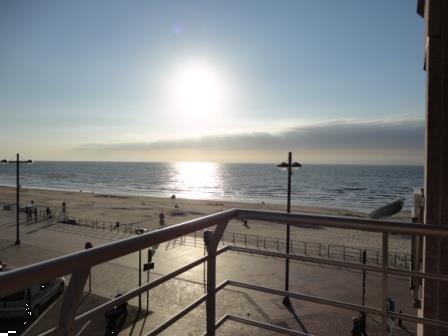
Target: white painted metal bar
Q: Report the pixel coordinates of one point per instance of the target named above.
(77, 264)
(218, 323)
(183, 312)
(339, 304)
(135, 292)
(24, 277)
(342, 222)
(304, 297)
(71, 301)
(177, 316)
(266, 326)
(399, 272)
(211, 240)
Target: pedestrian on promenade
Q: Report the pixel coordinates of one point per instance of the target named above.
(116, 318)
(400, 322)
(362, 323)
(35, 213)
(162, 219)
(356, 329)
(27, 212)
(117, 225)
(64, 207)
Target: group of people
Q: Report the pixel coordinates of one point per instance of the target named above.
(31, 210)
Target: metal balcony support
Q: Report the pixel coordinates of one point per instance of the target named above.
(211, 240)
(71, 301)
(78, 265)
(266, 326)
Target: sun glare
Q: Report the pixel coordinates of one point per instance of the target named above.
(198, 180)
(198, 90)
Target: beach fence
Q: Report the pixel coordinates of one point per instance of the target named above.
(60, 217)
(299, 247)
(102, 225)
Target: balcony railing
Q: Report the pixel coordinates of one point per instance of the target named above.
(78, 265)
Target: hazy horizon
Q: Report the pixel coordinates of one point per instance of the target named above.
(270, 163)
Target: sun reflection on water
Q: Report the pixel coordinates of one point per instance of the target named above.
(198, 180)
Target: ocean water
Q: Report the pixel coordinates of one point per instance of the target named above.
(356, 187)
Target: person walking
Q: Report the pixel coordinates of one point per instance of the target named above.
(362, 323)
(162, 220)
(356, 329)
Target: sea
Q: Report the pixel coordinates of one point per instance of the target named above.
(355, 187)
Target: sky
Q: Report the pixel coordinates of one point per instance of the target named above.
(226, 81)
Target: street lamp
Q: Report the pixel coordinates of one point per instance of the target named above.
(17, 162)
(289, 166)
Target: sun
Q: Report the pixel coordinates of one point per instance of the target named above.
(198, 90)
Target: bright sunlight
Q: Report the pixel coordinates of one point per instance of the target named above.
(199, 90)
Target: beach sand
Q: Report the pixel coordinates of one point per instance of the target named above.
(143, 211)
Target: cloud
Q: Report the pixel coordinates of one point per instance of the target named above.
(403, 134)
(399, 141)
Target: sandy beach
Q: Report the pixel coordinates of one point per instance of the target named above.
(143, 212)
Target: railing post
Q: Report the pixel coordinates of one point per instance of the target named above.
(385, 246)
(211, 241)
(71, 301)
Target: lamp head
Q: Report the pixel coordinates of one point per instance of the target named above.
(282, 166)
(296, 165)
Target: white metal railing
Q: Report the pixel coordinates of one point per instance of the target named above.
(79, 264)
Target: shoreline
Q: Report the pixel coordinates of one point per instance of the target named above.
(307, 208)
(281, 205)
(50, 197)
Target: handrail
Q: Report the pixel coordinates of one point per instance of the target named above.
(15, 280)
(343, 222)
(79, 263)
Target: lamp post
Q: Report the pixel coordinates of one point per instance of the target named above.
(17, 162)
(289, 166)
